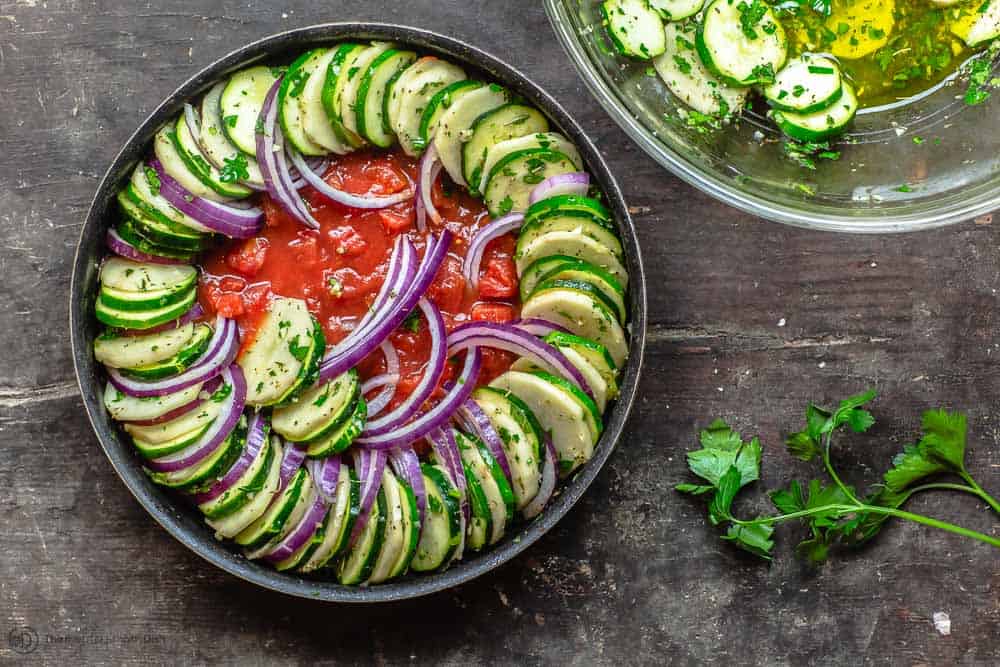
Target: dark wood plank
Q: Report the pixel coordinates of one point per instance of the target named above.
(748, 320)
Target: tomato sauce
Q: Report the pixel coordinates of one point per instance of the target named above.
(338, 269)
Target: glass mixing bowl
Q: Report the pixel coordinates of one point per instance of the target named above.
(918, 164)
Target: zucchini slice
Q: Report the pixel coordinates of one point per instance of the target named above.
(454, 128)
(807, 84)
(681, 69)
(129, 408)
(195, 420)
(250, 482)
(218, 148)
(635, 29)
(676, 10)
(190, 154)
(441, 531)
(570, 244)
(551, 141)
(352, 85)
(178, 363)
(508, 121)
(493, 482)
(582, 313)
(233, 524)
(151, 224)
(595, 354)
(522, 440)
(130, 276)
(438, 104)
(130, 351)
(598, 386)
(410, 95)
(272, 522)
(289, 107)
(341, 437)
(479, 528)
(241, 102)
(369, 106)
(561, 267)
(560, 411)
(204, 473)
(144, 319)
(320, 411)
(339, 521)
(145, 184)
(395, 531)
(359, 562)
(820, 125)
(738, 54)
(337, 77)
(283, 358)
(514, 177)
(316, 124)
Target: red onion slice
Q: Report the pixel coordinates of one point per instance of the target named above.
(389, 380)
(271, 158)
(196, 312)
(576, 183)
(370, 466)
(402, 267)
(207, 389)
(339, 196)
(120, 246)
(291, 461)
(477, 422)
(221, 353)
(477, 246)
(302, 532)
(428, 382)
(256, 437)
(446, 449)
(232, 221)
(548, 484)
(513, 339)
(435, 417)
(326, 475)
(407, 466)
(430, 167)
(344, 357)
(216, 433)
(538, 327)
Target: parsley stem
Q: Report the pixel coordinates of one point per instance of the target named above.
(945, 486)
(874, 509)
(935, 523)
(833, 473)
(990, 500)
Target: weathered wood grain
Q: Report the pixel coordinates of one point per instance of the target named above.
(748, 320)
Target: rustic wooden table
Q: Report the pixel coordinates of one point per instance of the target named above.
(747, 321)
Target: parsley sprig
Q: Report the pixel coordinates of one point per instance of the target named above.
(834, 513)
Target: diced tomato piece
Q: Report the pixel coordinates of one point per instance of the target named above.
(249, 256)
(347, 241)
(305, 248)
(499, 281)
(274, 215)
(229, 305)
(493, 312)
(256, 297)
(397, 219)
(232, 284)
(388, 177)
(448, 287)
(495, 363)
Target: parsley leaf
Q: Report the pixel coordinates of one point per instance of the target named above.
(234, 169)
